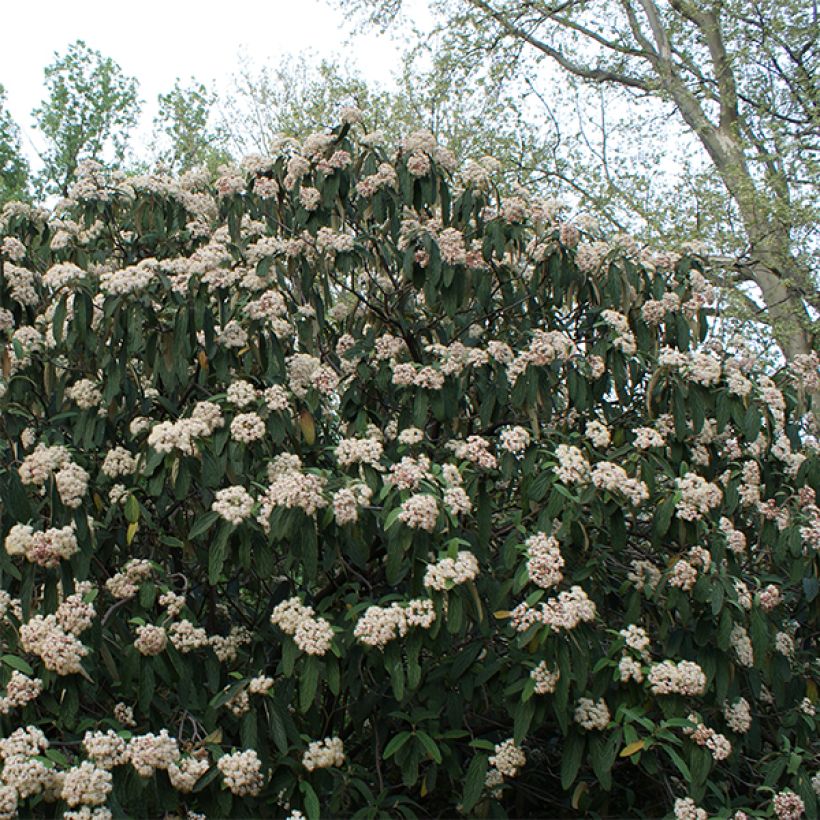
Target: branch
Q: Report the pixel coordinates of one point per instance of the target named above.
(598, 75)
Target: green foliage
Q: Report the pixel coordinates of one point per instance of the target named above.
(184, 121)
(395, 365)
(90, 109)
(13, 166)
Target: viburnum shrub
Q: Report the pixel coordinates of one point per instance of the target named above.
(339, 485)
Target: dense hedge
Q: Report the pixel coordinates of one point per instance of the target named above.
(337, 485)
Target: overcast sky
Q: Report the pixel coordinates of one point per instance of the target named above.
(157, 41)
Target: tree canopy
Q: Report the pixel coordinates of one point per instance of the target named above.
(343, 484)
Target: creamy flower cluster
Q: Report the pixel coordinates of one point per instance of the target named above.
(544, 560)
(44, 548)
(614, 478)
(311, 635)
(566, 611)
(291, 488)
(508, 759)
(348, 502)
(592, 714)
(242, 772)
(20, 690)
(449, 572)
(125, 584)
(323, 754)
(698, 496)
(234, 504)
(682, 678)
(380, 625)
(546, 678)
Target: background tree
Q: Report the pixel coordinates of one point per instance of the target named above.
(13, 165)
(739, 81)
(89, 112)
(185, 135)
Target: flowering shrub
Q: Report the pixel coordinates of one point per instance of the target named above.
(337, 486)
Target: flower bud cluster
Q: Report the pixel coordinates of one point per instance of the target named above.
(380, 625)
(682, 678)
(508, 759)
(242, 772)
(312, 635)
(449, 572)
(322, 754)
(546, 679)
(44, 548)
(592, 715)
(234, 504)
(544, 562)
(125, 584)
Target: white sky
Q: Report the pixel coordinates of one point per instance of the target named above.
(159, 41)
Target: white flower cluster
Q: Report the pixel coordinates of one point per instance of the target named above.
(565, 611)
(738, 716)
(380, 625)
(719, 745)
(106, 749)
(419, 512)
(234, 504)
(508, 759)
(683, 678)
(544, 562)
(186, 637)
(151, 640)
(125, 584)
(572, 467)
(72, 484)
(247, 428)
(60, 651)
(769, 597)
(150, 752)
(449, 572)
(185, 773)
(624, 338)
(289, 488)
(408, 473)
(614, 478)
(242, 772)
(648, 437)
(119, 462)
(788, 806)
(311, 635)
(348, 501)
(44, 548)
(38, 465)
(476, 450)
(20, 690)
(85, 394)
(742, 644)
(322, 754)
(546, 679)
(698, 496)
(514, 440)
(132, 279)
(637, 639)
(591, 714)
(544, 348)
(359, 451)
(735, 539)
(654, 311)
(167, 436)
(598, 433)
(686, 809)
(86, 785)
